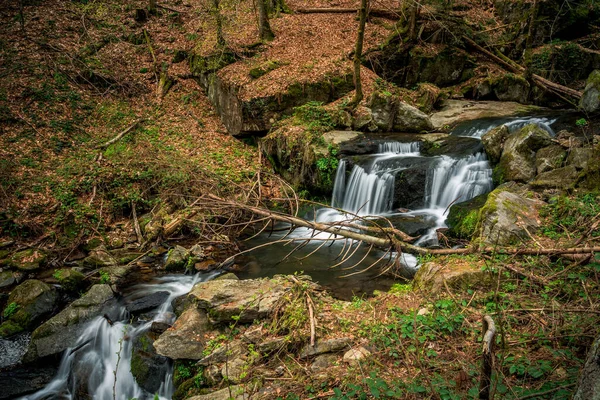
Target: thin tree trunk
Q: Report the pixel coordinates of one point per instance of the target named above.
(219, 21)
(412, 20)
(358, 96)
(264, 28)
(152, 7)
(487, 361)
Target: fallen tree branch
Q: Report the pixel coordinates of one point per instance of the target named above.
(487, 362)
(120, 135)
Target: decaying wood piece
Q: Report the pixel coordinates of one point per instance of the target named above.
(120, 135)
(487, 363)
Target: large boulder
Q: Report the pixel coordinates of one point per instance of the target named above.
(493, 142)
(147, 367)
(559, 178)
(508, 216)
(100, 257)
(383, 109)
(517, 162)
(410, 119)
(590, 101)
(63, 330)
(27, 304)
(244, 301)
(434, 278)
(176, 258)
(549, 158)
(463, 217)
(588, 387)
(580, 157)
(186, 339)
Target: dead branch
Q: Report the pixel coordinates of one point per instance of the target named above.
(136, 224)
(487, 363)
(120, 135)
(373, 12)
(311, 316)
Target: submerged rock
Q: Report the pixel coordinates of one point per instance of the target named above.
(63, 330)
(27, 304)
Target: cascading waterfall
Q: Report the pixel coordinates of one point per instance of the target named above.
(399, 148)
(479, 128)
(103, 352)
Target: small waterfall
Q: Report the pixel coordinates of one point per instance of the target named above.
(339, 186)
(368, 193)
(480, 128)
(399, 148)
(459, 180)
(102, 355)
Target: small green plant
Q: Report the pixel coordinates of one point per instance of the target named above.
(104, 277)
(581, 122)
(10, 310)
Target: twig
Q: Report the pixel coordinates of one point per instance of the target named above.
(120, 135)
(311, 316)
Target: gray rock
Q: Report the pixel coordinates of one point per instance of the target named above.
(549, 158)
(560, 178)
(236, 370)
(383, 109)
(363, 119)
(176, 258)
(232, 350)
(410, 119)
(580, 157)
(227, 276)
(147, 367)
(100, 257)
(244, 300)
(517, 162)
(325, 346)
(493, 142)
(272, 345)
(434, 278)
(590, 101)
(147, 303)
(229, 393)
(62, 330)
(20, 381)
(507, 216)
(30, 302)
(7, 278)
(186, 338)
(356, 354)
(323, 361)
(588, 387)
(212, 374)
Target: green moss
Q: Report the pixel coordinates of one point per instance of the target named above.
(464, 217)
(264, 69)
(139, 368)
(208, 64)
(9, 328)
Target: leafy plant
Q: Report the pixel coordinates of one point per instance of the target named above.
(10, 310)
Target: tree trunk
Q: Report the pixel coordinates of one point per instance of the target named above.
(152, 7)
(264, 27)
(413, 14)
(358, 96)
(219, 21)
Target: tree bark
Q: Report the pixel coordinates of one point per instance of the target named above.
(219, 22)
(358, 96)
(264, 28)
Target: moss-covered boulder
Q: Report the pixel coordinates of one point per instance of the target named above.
(493, 142)
(590, 101)
(560, 178)
(511, 87)
(64, 329)
(383, 109)
(463, 217)
(148, 367)
(549, 158)
(580, 157)
(69, 279)
(7, 278)
(589, 178)
(100, 257)
(28, 260)
(177, 258)
(517, 162)
(508, 216)
(433, 277)
(27, 304)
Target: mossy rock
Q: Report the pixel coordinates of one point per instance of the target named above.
(549, 158)
(589, 178)
(590, 101)
(560, 178)
(511, 87)
(69, 279)
(458, 275)
(177, 259)
(264, 69)
(28, 260)
(463, 217)
(208, 64)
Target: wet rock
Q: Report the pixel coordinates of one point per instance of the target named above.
(507, 216)
(588, 387)
(176, 259)
(560, 178)
(147, 303)
(450, 145)
(186, 338)
(517, 162)
(100, 257)
(409, 185)
(20, 381)
(147, 367)
(433, 277)
(28, 260)
(410, 119)
(549, 158)
(580, 157)
(493, 142)
(7, 278)
(590, 101)
(323, 361)
(413, 225)
(27, 304)
(62, 330)
(229, 393)
(463, 217)
(245, 300)
(356, 354)
(457, 111)
(325, 346)
(69, 279)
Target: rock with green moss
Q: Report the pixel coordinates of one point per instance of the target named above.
(65, 328)
(27, 304)
(383, 109)
(589, 178)
(186, 339)
(177, 258)
(517, 162)
(69, 279)
(549, 158)
(560, 178)
(590, 101)
(100, 257)
(28, 260)
(148, 367)
(7, 278)
(580, 157)
(508, 216)
(511, 87)
(493, 142)
(433, 277)
(363, 119)
(428, 96)
(463, 217)
(410, 119)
